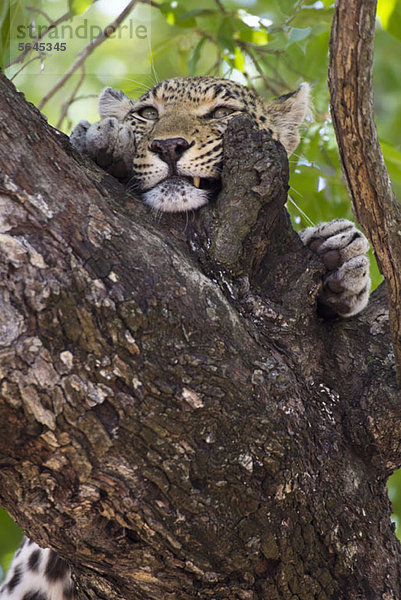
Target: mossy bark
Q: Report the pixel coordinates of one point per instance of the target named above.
(175, 419)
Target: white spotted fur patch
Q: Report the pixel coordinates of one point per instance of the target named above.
(37, 574)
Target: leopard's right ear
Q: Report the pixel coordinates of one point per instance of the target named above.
(286, 114)
(114, 103)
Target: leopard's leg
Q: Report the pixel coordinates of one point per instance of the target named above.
(109, 143)
(342, 249)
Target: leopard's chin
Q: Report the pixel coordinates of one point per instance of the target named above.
(180, 193)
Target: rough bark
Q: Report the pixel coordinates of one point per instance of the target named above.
(374, 204)
(175, 420)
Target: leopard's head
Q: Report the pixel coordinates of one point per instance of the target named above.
(179, 126)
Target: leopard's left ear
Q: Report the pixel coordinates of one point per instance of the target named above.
(114, 103)
(287, 113)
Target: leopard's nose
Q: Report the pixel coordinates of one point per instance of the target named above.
(170, 150)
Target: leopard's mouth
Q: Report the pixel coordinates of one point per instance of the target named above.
(211, 184)
(178, 193)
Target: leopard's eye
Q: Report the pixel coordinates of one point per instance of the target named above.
(148, 112)
(220, 112)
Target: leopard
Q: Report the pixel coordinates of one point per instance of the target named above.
(177, 129)
(168, 147)
(37, 573)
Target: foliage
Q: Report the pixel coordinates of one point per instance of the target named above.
(271, 45)
(10, 537)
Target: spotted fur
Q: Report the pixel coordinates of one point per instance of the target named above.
(37, 574)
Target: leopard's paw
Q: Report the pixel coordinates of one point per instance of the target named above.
(342, 249)
(109, 143)
(78, 136)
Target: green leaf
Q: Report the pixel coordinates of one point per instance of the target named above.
(393, 24)
(9, 540)
(285, 7)
(12, 16)
(225, 36)
(175, 14)
(165, 7)
(77, 7)
(193, 61)
(198, 12)
(239, 60)
(259, 37)
(4, 35)
(385, 9)
(312, 16)
(392, 158)
(394, 488)
(297, 35)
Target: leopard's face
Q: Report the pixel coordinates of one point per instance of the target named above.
(179, 126)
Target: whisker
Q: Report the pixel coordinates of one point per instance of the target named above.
(133, 186)
(301, 211)
(186, 221)
(152, 63)
(158, 215)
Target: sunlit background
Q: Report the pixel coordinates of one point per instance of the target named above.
(271, 45)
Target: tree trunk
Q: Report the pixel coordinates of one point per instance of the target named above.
(176, 421)
(373, 202)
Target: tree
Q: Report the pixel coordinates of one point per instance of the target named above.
(176, 421)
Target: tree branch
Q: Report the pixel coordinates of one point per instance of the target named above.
(169, 432)
(43, 34)
(87, 50)
(375, 207)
